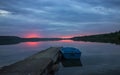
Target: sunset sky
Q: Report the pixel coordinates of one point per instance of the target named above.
(58, 18)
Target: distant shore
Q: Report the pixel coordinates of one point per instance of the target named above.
(7, 40)
(105, 38)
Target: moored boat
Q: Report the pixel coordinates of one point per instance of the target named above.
(70, 53)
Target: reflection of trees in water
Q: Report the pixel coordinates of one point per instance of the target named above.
(71, 63)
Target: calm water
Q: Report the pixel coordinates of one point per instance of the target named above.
(96, 57)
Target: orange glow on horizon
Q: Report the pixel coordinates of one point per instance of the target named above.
(32, 35)
(66, 36)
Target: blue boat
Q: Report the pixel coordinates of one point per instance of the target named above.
(70, 53)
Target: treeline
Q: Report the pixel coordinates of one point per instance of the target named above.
(113, 37)
(9, 40)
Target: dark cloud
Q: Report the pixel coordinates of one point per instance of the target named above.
(55, 17)
(106, 3)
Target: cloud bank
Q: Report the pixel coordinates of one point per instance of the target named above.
(59, 17)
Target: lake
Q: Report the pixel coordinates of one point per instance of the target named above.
(96, 58)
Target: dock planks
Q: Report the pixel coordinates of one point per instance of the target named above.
(36, 64)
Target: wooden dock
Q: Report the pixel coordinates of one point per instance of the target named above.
(38, 64)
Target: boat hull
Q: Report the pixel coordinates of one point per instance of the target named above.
(70, 53)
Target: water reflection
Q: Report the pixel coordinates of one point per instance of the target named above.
(35, 43)
(32, 43)
(95, 56)
(9, 42)
(66, 63)
(66, 41)
(71, 63)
